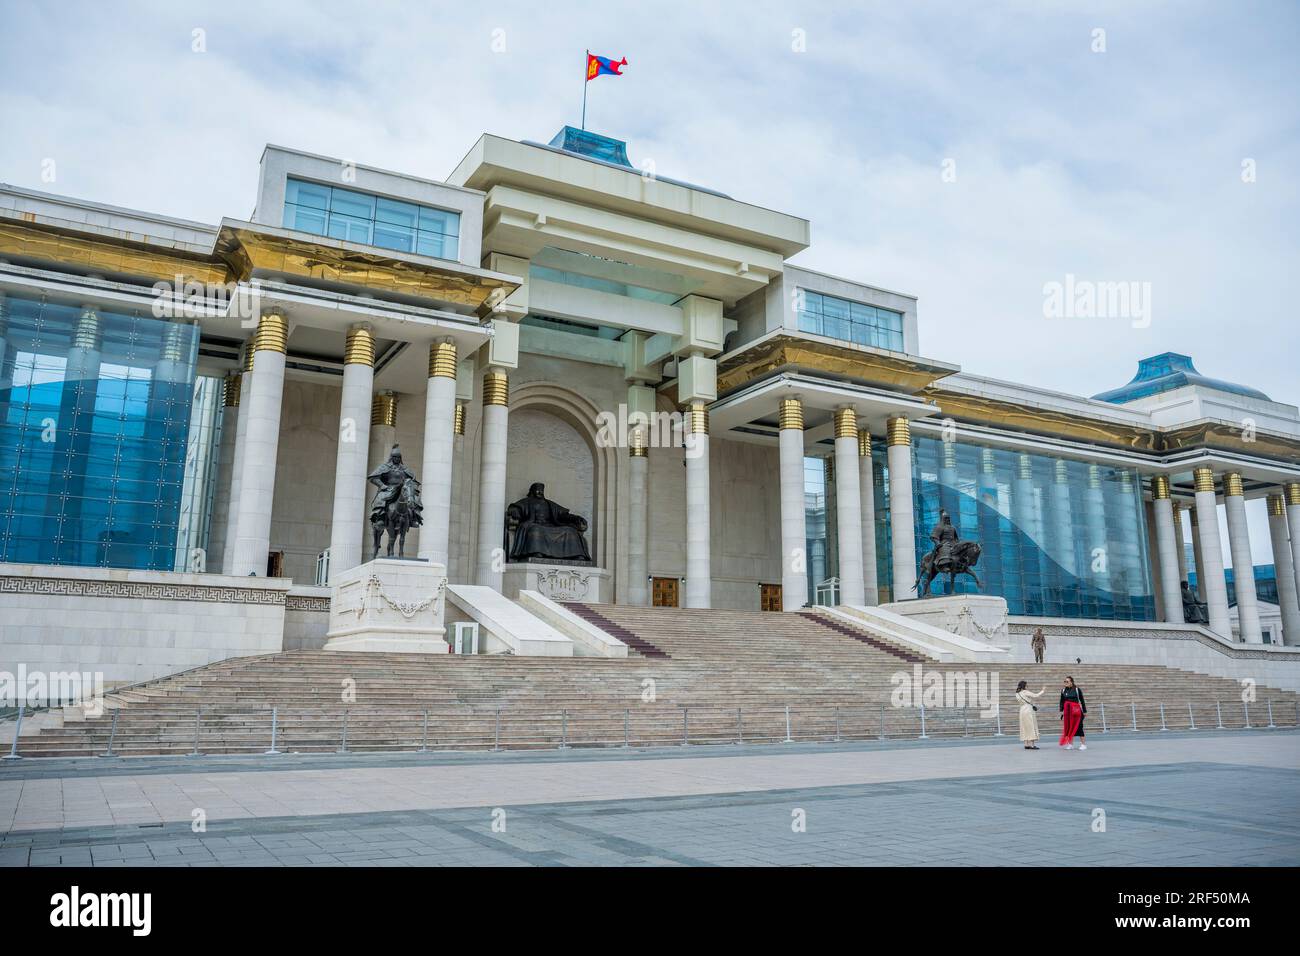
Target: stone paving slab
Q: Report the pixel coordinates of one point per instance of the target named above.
(1191, 814)
(87, 798)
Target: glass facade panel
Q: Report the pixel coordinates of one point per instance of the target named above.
(849, 321)
(1059, 538)
(372, 220)
(95, 411)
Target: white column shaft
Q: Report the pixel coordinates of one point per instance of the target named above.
(350, 468)
(699, 579)
(1243, 569)
(1293, 528)
(867, 490)
(1288, 597)
(1167, 555)
(492, 496)
(1209, 565)
(257, 478)
(439, 439)
(236, 473)
(848, 513)
(794, 526)
(638, 485)
(901, 520)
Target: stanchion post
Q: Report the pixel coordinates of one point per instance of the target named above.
(13, 753)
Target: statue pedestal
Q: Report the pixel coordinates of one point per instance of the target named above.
(559, 582)
(977, 617)
(388, 605)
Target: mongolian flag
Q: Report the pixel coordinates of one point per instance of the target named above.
(600, 66)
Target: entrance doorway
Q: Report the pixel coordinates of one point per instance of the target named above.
(769, 597)
(663, 592)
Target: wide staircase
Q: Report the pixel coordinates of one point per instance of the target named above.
(692, 676)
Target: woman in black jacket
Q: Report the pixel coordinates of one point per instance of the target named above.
(1072, 707)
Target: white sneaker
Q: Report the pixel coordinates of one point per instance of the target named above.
(1083, 746)
(1069, 746)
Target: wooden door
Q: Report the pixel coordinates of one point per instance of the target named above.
(275, 564)
(769, 597)
(663, 592)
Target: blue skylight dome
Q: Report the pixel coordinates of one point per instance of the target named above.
(586, 143)
(1167, 371)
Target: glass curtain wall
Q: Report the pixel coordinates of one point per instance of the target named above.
(95, 410)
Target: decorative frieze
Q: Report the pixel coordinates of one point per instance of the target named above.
(139, 590)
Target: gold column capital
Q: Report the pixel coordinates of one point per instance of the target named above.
(1159, 487)
(1292, 490)
(1094, 476)
(1203, 479)
(360, 348)
(1276, 506)
(458, 422)
(272, 333)
(383, 409)
(230, 387)
(846, 423)
(442, 360)
(791, 414)
(1232, 485)
(87, 334)
(247, 360)
(697, 418)
(496, 387)
(864, 443)
(898, 431)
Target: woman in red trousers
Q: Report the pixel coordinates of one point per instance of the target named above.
(1073, 707)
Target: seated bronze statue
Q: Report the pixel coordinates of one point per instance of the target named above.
(1195, 610)
(545, 531)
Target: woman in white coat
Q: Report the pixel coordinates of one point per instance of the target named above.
(1028, 722)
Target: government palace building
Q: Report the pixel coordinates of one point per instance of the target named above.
(190, 414)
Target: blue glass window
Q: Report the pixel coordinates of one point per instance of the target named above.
(848, 321)
(371, 220)
(94, 417)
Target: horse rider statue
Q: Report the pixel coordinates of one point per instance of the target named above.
(396, 506)
(951, 556)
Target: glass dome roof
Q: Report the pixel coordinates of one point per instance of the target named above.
(1167, 371)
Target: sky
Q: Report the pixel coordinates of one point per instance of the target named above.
(970, 154)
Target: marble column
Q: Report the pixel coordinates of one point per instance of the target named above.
(1292, 494)
(1167, 550)
(237, 461)
(867, 488)
(1197, 559)
(1288, 598)
(261, 447)
(699, 574)
(638, 545)
(221, 500)
(439, 438)
(898, 435)
(1177, 510)
(794, 529)
(1209, 563)
(350, 464)
(848, 506)
(492, 478)
(1243, 562)
(455, 549)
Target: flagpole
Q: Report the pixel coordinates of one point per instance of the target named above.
(586, 60)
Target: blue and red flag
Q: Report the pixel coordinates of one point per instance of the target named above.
(602, 65)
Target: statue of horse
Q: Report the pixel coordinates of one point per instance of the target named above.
(399, 519)
(964, 556)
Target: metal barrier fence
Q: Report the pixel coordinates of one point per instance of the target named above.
(276, 730)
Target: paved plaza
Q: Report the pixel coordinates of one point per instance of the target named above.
(1165, 799)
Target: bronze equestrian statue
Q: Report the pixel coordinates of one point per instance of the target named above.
(396, 507)
(951, 556)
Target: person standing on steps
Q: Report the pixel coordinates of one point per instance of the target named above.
(1072, 708)
(1039, 645)
(1028, 722)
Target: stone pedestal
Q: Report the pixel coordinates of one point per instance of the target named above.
(388, 605)
(559, 582)
(978, 617)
